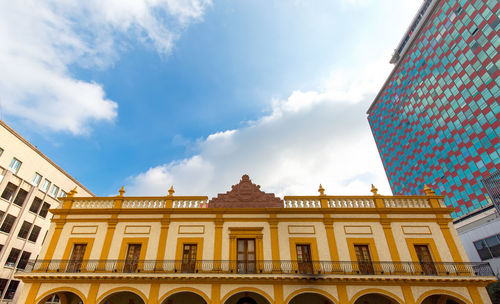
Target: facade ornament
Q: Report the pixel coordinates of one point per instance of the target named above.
(428, 190)
(374, 190)
(72, 192)
(245, 194)
(171, 191)
(121, 191)
(321, 190)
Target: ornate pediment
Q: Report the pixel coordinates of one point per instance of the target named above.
(245, 194)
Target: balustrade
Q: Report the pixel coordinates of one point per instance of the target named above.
(190, 204)
(143, 203)
(93, 204)
(406, 203)
(229, 267)
(288, 202)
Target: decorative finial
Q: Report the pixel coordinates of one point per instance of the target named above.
(121, 191)
(321, 190)
(428, 190)
(374, 190)
(72, 192)
(171, 191)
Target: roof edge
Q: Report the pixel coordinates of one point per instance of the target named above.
(6, 126)
(410, 44)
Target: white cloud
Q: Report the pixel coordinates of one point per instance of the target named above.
(310, 138)
(41, 40)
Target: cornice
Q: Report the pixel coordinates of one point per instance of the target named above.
(263, 279)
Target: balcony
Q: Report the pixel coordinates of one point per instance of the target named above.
(261, 268)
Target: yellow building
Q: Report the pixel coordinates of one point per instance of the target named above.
(250, 247)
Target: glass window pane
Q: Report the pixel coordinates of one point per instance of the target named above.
(482, 250)
(494, 245)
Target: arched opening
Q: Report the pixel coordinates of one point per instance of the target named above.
(63, 297)
(441, 299)
(184, 297)
(123, 297)
(375, 298)
(247, 298)
(310, 298)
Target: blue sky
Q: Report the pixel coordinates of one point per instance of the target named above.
(196, 93)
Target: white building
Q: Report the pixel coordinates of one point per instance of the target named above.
(29, 185)
(480, 235)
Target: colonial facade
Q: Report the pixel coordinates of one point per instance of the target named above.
(250, 247)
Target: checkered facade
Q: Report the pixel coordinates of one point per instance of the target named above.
(436, 121)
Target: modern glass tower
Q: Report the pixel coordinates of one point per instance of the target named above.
(436, 118)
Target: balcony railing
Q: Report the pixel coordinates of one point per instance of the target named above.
(228, 267)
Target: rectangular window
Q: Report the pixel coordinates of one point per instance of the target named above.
(9, 191)
(20, 197)
(425, 259)
(54, 191)
(304, 259)
(12, 259)
(132, 258)
(246, 255)
(3, 285)
(25, 229)
(23, 261)
(364, 259)
(7, 224)
(14, 166)
(35, 206)
(34, 233)
(11, 291)
(189, 258)
(1, 151)
(45, 185)
(63, 193)
(36, 179)
(494, 245)
(44, 210)
(75, 262)
(488, 248)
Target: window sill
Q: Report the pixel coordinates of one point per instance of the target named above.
(3, 199)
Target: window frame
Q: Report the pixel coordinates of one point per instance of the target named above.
(23, 260)
(11, 193)
(54, 190)
(36, 232)
(44, 210)
(12, 167)
(486, 246)
(24, 230)
(8, 216)
(11, 260)
(37, 178)
(9, 294)
(37, 199)
(18, 197)
(45, 185)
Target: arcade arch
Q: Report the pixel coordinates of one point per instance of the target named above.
(62, 297)
(184, 297)
(247, 297)
(120, 297)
